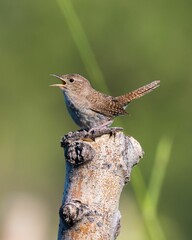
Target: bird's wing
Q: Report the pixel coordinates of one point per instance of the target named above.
(106, 105)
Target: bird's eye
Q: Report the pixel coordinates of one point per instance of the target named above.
(71, 80)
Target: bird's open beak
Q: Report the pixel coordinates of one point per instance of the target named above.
(60, 85)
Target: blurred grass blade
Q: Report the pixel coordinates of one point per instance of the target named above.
(82, 43)
(150, 218)
(159, 170)
(149, 206)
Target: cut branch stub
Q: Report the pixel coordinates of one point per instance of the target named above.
(73, 211)
(132, 155)
(98, 165)
(79, 152)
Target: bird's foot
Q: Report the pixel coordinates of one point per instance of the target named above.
(101, 127)
(99, 131)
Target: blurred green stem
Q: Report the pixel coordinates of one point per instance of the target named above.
(158, 174)
(150, 218)
(151, 195)
(159, 170)
(80, 39)
(82, 43)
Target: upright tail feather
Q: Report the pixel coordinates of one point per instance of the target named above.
(128, 97)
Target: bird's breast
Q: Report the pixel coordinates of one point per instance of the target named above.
(82, 115)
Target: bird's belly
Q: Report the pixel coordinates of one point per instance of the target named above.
(86, 118)
(83, 116)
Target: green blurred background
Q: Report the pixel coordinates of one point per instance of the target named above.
(119, 46)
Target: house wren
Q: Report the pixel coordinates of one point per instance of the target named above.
(90, 108)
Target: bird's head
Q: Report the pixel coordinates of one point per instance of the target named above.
(71, 83)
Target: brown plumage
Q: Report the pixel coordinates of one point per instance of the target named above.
(90, 108)
(128, 97)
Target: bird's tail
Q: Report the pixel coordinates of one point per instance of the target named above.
(128, 97)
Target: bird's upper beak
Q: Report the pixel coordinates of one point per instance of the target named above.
(60, 85)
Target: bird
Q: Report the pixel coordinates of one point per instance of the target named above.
(92, 109)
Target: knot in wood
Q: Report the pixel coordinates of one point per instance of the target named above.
(79, 152)
(73, 211)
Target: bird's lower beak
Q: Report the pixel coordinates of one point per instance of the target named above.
(57, 85)
(60, 85)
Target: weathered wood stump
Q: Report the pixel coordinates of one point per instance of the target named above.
(98, 165)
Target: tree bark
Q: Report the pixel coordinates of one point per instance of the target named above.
(98, 165)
